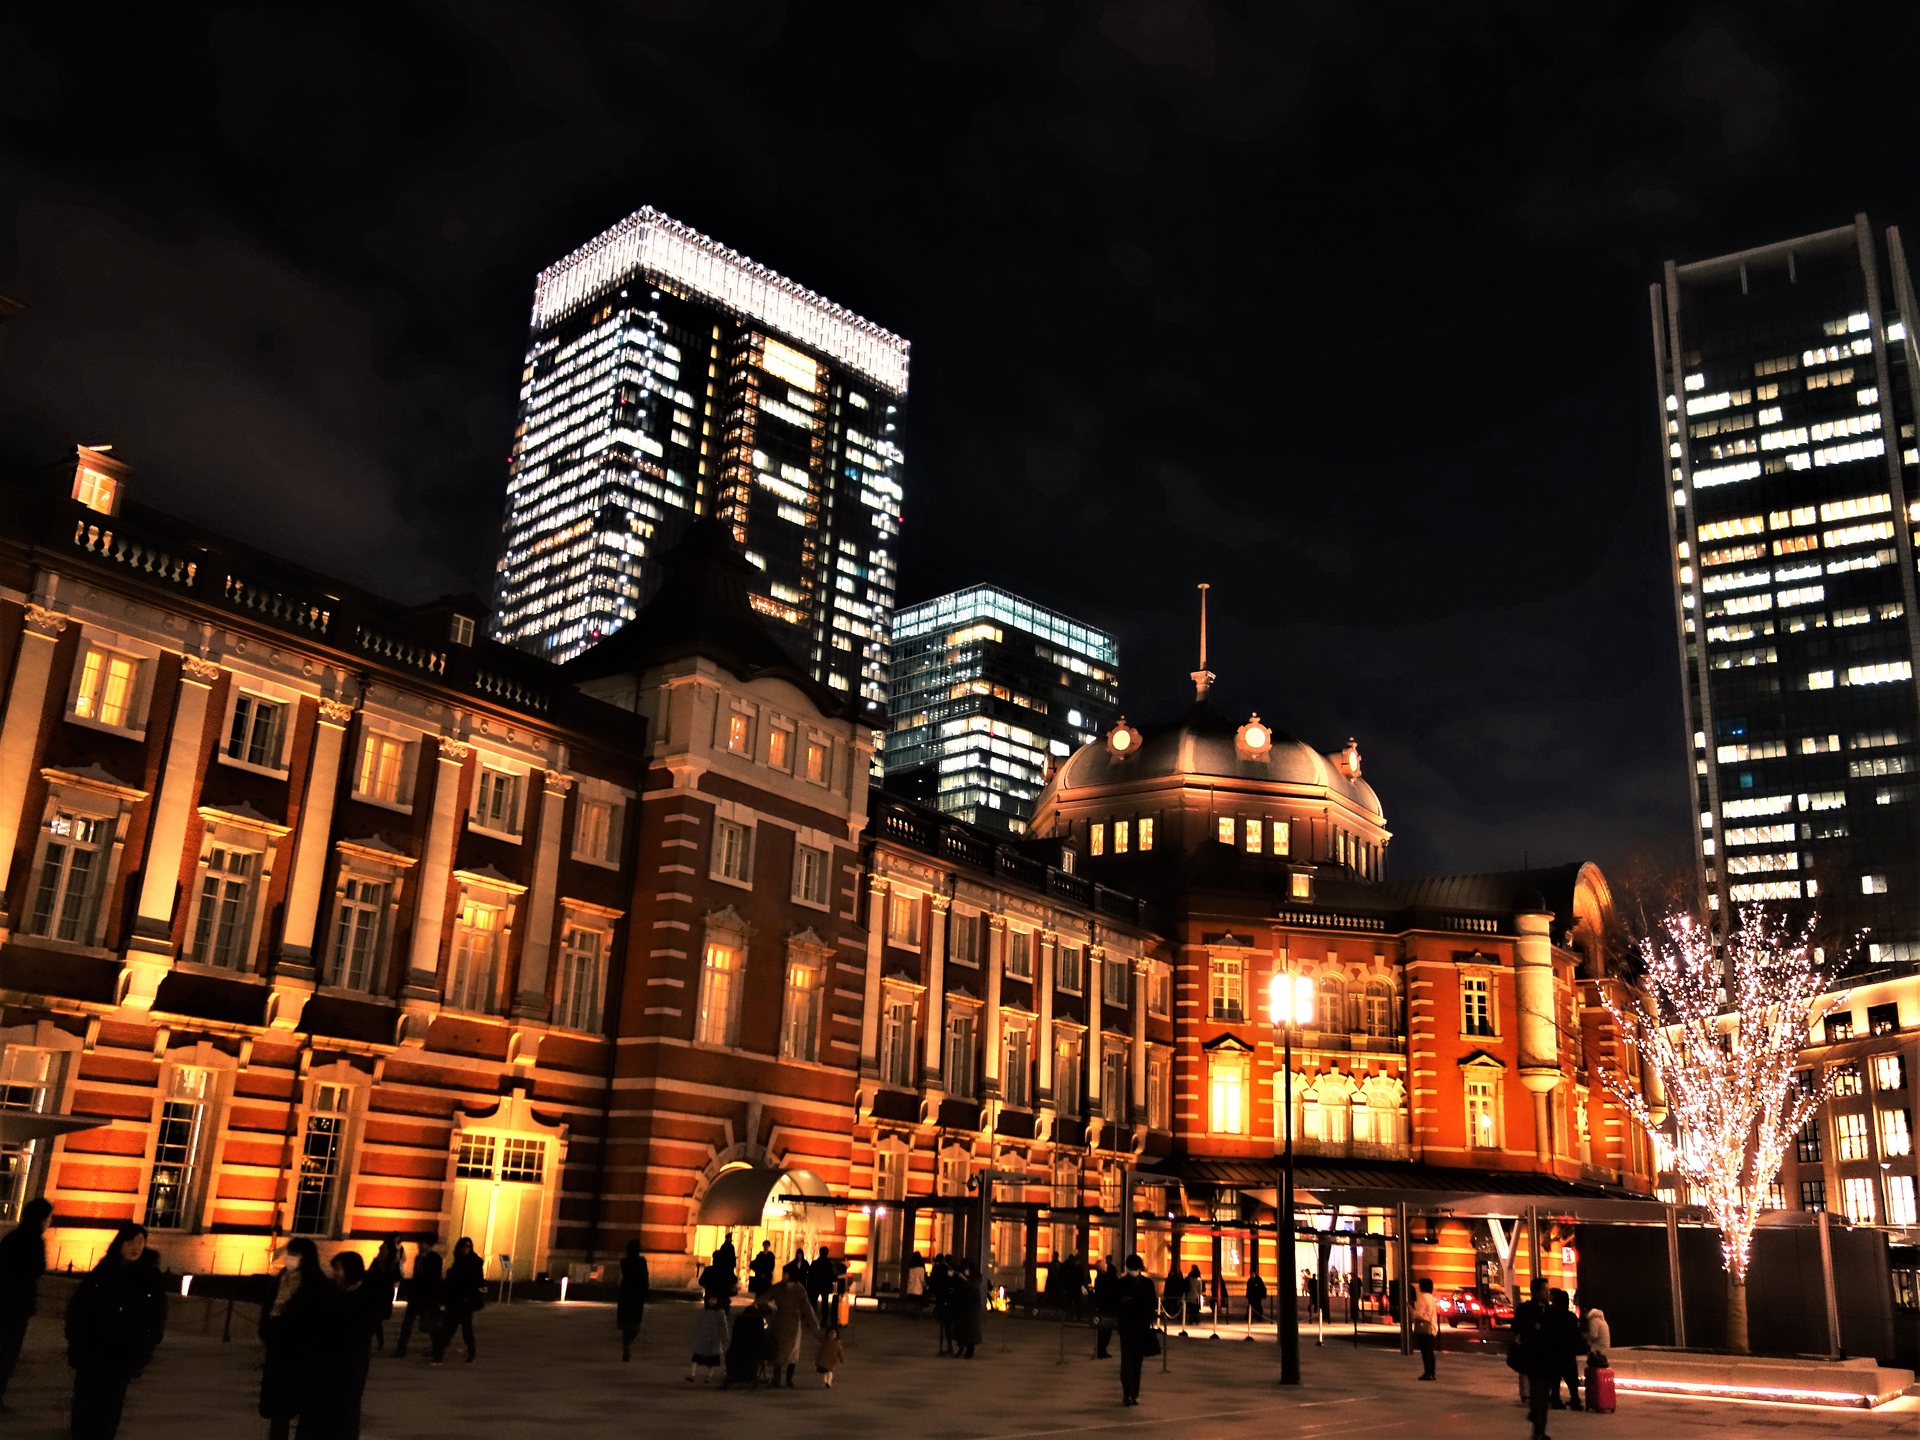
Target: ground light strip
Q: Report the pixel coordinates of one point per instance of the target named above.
(1845, 1398)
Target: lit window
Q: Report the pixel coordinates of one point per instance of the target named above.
(1226, 830)
(95, 490)
(1253, 837)
(1483, 1120)
(817, 756)
(106, 687)
(1900, 1203)
(320, 1160)
(67, 888)
(1850, 1136)
(1844, 1079)
(254, 735)
(1896, 1133)
(903, 920)
(383, 773)
(1122, 834)
(1067, 969)
(1889, 1072)
(740, 734)
(1856, 1199)
(1227, 1082)
(732, 852)
(896, 1040)
(225, 921)
(1160, 991)
(1873, 884)
(780, 748)
(800, 1023)
(1097, 839)
(1020, 954)
(1228, 988)
(596, 831)
(1068, 1071)
(810, 874)
(719, 996)
(1302, 886)
(473, 979)
(1476, 1006)
(577, 995)
(358, 916)
(1146, 832)
(1282, 837)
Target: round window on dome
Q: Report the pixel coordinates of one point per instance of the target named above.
(1123, 739)
(1254, 740)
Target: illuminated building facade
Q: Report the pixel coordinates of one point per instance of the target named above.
(669, 377)
(988, 690)
(1786, 385)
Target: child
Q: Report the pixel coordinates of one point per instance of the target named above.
(832, 1354)
(708, 1338)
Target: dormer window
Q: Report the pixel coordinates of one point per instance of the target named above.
(460, 632)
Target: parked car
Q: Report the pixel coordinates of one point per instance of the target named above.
(1465, 1307)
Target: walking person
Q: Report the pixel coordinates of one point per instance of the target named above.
(823, 1277)
(631, 1309)
(1174, 1295)
(968, 1311)
(463, 1291)
(1599, 1337)
(726, 1267)
(707, 1339)
(792, 1316)
(1425, 1322)
(1256, 1299)
(940, 1287)
(1543, 1339)
(293, 1333)
(760, 1272)
(745, 1344)
(914, 1284)
(423, 1297)
(347, 1347)
(1106, 1290)
(23, 1260)
(1134, 1308)
(830, 1356)
(1570, 1365)
(111, 1332)
(384, 1273)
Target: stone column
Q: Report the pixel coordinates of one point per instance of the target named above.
(877, 892)
(436, 867)
(936, 991)
(996, 964)
(1043, 1002)
(537, 949)
(150, 951)
(1539, 1037)
(310, 845)
(20, 731)
(1096, 1037)
(1142, 982)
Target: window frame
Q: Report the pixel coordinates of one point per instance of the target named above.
(1063, 982)
(904, 903)
(801, 893)
(1223, 1066)
(1492, 1109)
(100, 882)
(962, 1081)
(478, 818)
(802, 1008)
(1226, 987)
(724, 859)
(1479, 983)
(345, 904)
(139, 692)
(470, 899)
(225, 837)
(407, 776)
(713, 1024)
(284, 719)
(566, 983)
(1015, 935)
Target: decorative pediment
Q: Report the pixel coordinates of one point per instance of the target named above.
(807, 941)
(374, 849)
(728, 924)
(1226, 939)
(96, 779)
(1227, 1045)
(1481, 1060)
(488, 878)
(245, 817)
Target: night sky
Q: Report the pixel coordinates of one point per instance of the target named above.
(1339, 307)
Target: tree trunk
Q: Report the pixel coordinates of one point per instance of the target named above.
(1736, 1314)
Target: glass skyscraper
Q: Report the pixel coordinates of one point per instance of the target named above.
(1786, 385)
(669, 377)
(986, 689)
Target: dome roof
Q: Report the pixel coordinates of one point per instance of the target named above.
(1204, 742)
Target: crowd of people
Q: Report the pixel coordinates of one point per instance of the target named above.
(761, 1346)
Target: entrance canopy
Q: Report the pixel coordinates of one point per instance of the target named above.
(738, 1197)
(18, 1127)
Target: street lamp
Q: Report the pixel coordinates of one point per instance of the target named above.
(1289, 1003)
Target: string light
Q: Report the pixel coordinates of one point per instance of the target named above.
(1721, 1026)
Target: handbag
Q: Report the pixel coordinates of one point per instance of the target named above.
(1151, 1345)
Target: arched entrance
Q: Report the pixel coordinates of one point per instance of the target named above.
(792, 1208)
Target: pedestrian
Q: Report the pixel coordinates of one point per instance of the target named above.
(823, 1276)
(294, 1330)
(355, 1319)
(968, 1307)
(760, 1272)
(746, 1343)
(1256, 1299)
(914, 1284)
(1133, 1316)
(1425, 1321)
(940, 1287)
(830, 1356)
(383, 1280)
(1544, 1340)
(111, 1332)
(631, 1309)
(1570, 1367)
(1599, 1337)
(1174, 1294)
(463, 1291)
(1105, 1296)
(423, 1297)
(707, 1339)
(726, 1266)
(792, 1316)
(23, 1260)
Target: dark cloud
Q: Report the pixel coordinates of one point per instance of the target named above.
(1339, 306)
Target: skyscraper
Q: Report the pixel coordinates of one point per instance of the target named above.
(1786, 384)
(669, 377)
(985, 688)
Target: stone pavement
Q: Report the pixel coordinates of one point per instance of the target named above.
(545, 1368)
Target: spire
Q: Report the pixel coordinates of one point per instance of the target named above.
(1203, 677)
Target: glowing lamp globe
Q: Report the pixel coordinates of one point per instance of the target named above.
(1290, 1000)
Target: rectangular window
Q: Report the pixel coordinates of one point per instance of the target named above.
(1813, 1194)
(1146, 832)
(1160, 991)
(1883, 1019)
(1020, 954)
(1850, 1136)
(810, 874)
(474, 977)
(1097, 839)
(522, 1161)
(26, 1084)
(968, 938)
(225, 922)
(1900, 1201)
(1016, 1065)
(254, 736)
(800, 1020)
(496, 802)
(320, 1154)
(1896, 1133)
(1483, 1119)
(817, 757)
(1476, 1006)
(896, 1041)
(1226, 829)
(1113, 1083)
(1253, 830)
(732, 851)
(719, 996)
(577, 993)
(959, 1061)
(359, 914)
(1302, 887)
(1122, 835)
(1839, 1027)
(1282, 838)
(1159, 1092)
(474, 1159)
(780, 748)
(1229, 988)
(72, 867)
(384, 773)
(178, 1143)
(740, 734)
(1845, 1078)
(1889, 1072)
(1806, 1145)
(1067, 970)
(1068, 1059)
(1113, 980)
(1856, 1199)
(903, 921)
(596, 831)
(107, 683)
(1227, 1081)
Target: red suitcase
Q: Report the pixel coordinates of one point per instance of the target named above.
(1600, 1390)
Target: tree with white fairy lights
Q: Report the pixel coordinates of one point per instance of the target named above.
(1720, 1025)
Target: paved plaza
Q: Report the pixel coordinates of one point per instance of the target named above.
(549, 1368)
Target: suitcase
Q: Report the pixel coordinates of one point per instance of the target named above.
(1600, 1390)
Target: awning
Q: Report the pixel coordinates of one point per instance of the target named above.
(739, 1197)
(1320, 1180)
(17, 1127)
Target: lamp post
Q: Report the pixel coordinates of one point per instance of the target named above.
(1289, 1003)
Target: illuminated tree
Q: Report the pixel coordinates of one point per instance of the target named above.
(1718, 1028)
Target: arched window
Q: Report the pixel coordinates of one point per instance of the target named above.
(1379, 1008)
(1333, 1004)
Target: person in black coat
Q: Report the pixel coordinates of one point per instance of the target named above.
(295, 1331)
(423, 1297)
(358, 1299)
(111, 1333)
(635, 1283)
(968, 1303)
(1106, 1288)
(462, 1292)
(823, 1276)
(1256, 1299)
(1544, 1343)
(746, 1347)
(940, 1287)
(1135, 1309)
(726, 1266)
(23, 1260)
(384, 1274)
(760, 1270)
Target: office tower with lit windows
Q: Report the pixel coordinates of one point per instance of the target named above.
(669, 377)
(1786, 385)
(986, 691)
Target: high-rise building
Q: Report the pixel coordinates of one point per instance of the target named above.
(669, 377)
(1786, 384)
(986, 689)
